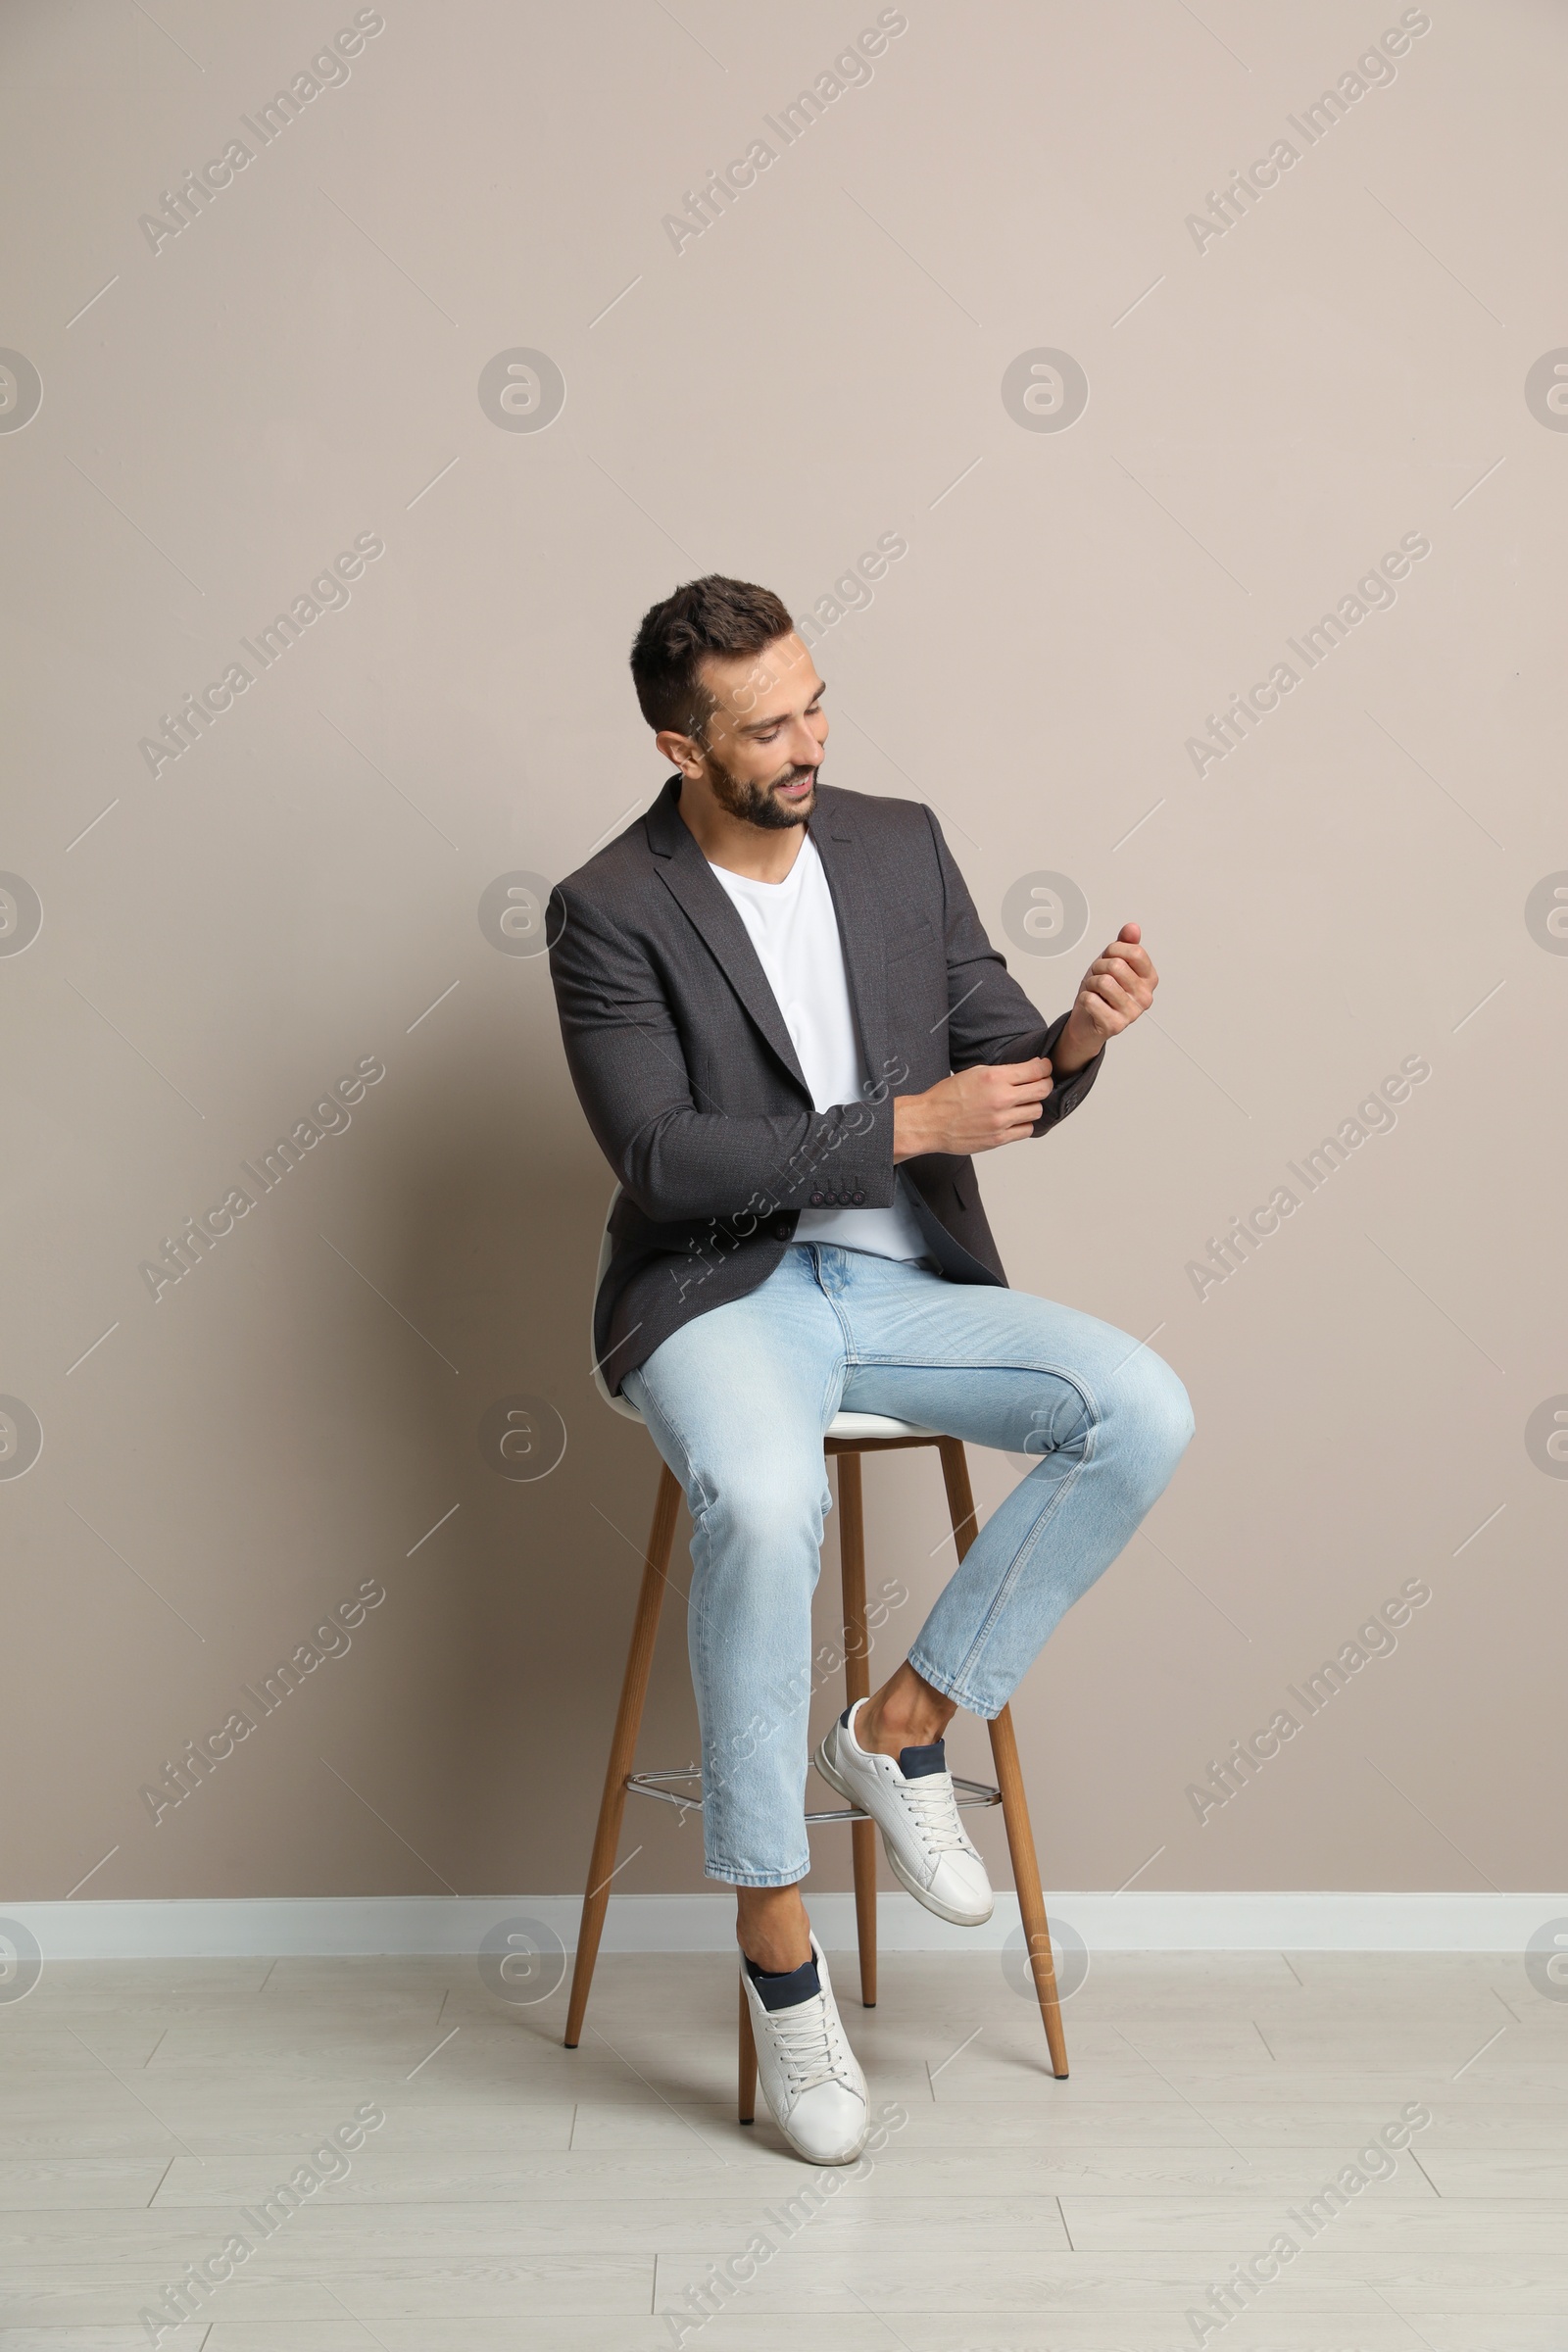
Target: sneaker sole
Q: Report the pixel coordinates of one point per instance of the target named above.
(921, 1895)
(826, 2163)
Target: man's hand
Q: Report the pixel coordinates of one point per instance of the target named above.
(1116, 988)
(974, 1110)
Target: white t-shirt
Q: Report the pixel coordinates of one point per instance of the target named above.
(793, 927)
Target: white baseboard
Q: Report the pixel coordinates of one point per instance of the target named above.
(252, 1927)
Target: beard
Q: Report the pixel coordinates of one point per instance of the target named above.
(754, 803)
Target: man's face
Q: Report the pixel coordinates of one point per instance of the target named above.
(764, 744)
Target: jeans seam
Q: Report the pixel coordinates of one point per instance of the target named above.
(722, 1777)
(1026, 1550)
(839, 1315)
(693, 1482)
(899, 1361)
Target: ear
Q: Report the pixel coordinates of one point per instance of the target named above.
(681, 751)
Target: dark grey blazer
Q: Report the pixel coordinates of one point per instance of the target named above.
(691, 1085)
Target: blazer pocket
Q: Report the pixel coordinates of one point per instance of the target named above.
(920, 934)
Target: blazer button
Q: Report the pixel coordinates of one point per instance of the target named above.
(858, 1199)
(816, 1199)
(781, 1231)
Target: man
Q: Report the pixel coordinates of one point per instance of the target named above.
(790, 1034)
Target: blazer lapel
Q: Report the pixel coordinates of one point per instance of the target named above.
(688, 877)
(854, 896)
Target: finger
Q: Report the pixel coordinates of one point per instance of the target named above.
(1121, 972)
(1118, 1000)
(1133, 960)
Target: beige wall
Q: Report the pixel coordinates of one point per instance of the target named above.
(1344, 365)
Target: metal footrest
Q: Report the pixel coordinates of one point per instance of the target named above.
(650, 1784)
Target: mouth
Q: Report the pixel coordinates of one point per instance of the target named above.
(799, 790)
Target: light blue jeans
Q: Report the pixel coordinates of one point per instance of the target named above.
(737, 1402)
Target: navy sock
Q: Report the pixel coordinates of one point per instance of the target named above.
(783, 1988)
(913, 1762)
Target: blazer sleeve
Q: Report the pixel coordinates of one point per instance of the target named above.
(990, 1019)
(677, 1158)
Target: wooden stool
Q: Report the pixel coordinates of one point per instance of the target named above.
(851, 1435)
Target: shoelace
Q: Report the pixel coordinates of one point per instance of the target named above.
(934, 1808)
(810, 2042)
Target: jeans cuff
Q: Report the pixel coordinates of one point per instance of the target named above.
(931, 1673)
(757, 1878)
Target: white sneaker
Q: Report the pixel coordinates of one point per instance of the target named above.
(810, 2078)
(914, 1805)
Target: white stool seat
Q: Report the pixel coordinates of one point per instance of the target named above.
(844, 1425)
(876, 1425)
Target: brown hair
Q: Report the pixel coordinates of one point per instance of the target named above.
(710, 616)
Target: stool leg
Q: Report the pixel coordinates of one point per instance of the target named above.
(746, 2104)
(857, 1685)
(960, 1494)
(1026, 1877)
(1009, 1781)
(622, 1747)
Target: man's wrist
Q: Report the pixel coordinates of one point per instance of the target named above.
(910, 1127)
(1075, 1048)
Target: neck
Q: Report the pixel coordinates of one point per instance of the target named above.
(757, 853)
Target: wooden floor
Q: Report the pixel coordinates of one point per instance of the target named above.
(521, 2195)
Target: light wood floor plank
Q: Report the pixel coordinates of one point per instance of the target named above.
(519, 2195)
